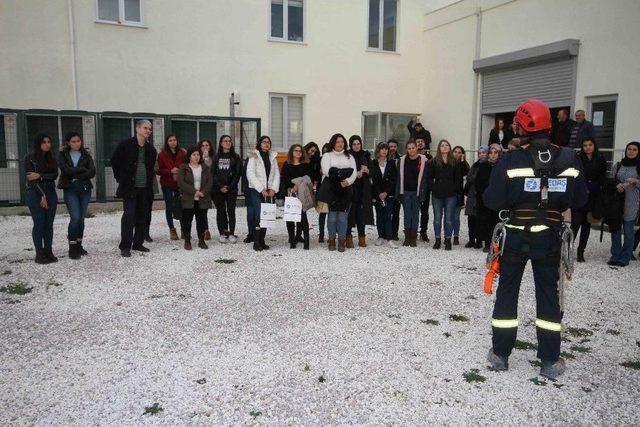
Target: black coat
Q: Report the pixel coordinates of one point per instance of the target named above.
(332, 193)
(445, 180)
(423, 133)
(124, 163)
(290, 172)
(48, 172)
(595, 172)
(362, 190)
(227, 177)
(494, 137)
(487, 218)
(83, 173)
(384, 183)
(561, 132)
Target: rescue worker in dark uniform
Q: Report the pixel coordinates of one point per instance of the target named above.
(535, 184)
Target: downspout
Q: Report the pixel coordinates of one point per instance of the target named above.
(72, 39)
(476, 87)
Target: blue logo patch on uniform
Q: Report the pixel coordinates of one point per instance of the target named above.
(532, 185)
(557, 185)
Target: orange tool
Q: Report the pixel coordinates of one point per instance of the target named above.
(494, 269)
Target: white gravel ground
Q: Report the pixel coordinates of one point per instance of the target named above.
(294, 337)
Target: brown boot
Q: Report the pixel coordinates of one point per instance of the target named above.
(173, 235)
(414, 237)
(187, 243)
(456, 240)
(349, 240)
(332, 243)
(207, 235)
(407, 237)
(201, 242)
(342, 243)
(362, 241)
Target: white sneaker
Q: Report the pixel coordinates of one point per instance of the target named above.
(233, 239)
(392, 244)
(379, 242)
(223, 239)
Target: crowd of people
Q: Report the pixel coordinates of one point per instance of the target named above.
(345, 184)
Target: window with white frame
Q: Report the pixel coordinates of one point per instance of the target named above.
(287, 20)
(128, 12)
(286, 117)
(383, 21)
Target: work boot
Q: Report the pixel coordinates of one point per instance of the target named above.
(497, 363)
(349, 242)
(74, 253)
(438, 243)
(187, 242)
(41, 258)
(50, 256)
(456, 240)
(262, 234)
(580, 256)
(201, 242)
(342, 244)
(447, 244)
(552, 370)
(173, 235)
(207, 235)
(332, 243)
(81, 249)
(413, 234)
(407, 237)
(362, 241)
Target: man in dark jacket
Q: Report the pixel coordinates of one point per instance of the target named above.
(132, 163)
(561, 132)
(418, 131)
(581, 130)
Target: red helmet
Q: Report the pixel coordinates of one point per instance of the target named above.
(533, 116)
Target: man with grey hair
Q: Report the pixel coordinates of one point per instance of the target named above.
(581, 130)
(132, 164)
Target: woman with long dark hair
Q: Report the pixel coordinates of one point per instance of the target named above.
(296, 166)
(445, 183)
(194, 182)
(627, 176)
(500, 134)
(76, 170)
(339, 173)
(487, 218)
(42, 170)
(461, 158)
(384, 175)
(411, 190)
(263, 179)
(361, 213)
(227, 171)
(169, 160)
(595, 172)
(206, 150)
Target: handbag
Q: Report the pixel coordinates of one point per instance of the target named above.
(268, 214)
(177, 206)
(292, 209)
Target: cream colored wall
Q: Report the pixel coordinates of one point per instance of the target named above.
(189, 59)
(608, 61)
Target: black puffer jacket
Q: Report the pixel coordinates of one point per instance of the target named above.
(82, 173)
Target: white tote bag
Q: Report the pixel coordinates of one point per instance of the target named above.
(267, 215)
(292, 209)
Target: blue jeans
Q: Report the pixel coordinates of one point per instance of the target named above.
(167, 195)
(42, 232)
(411, 208)
(456, 220)
(77, 201)
(448, 205)
(383, 218)
(622, 252)
(337, 224)
(253, 210)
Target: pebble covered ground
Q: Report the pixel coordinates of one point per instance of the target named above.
(230, 336)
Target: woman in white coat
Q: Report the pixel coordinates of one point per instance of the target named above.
(263, 178)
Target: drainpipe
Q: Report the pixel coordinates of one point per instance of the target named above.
(72, 39)
(475, 129)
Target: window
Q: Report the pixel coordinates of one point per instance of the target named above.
(383, 17)
(189, 132)
(286, 120)
(287, 20)
(128, 12)
(381, 126)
